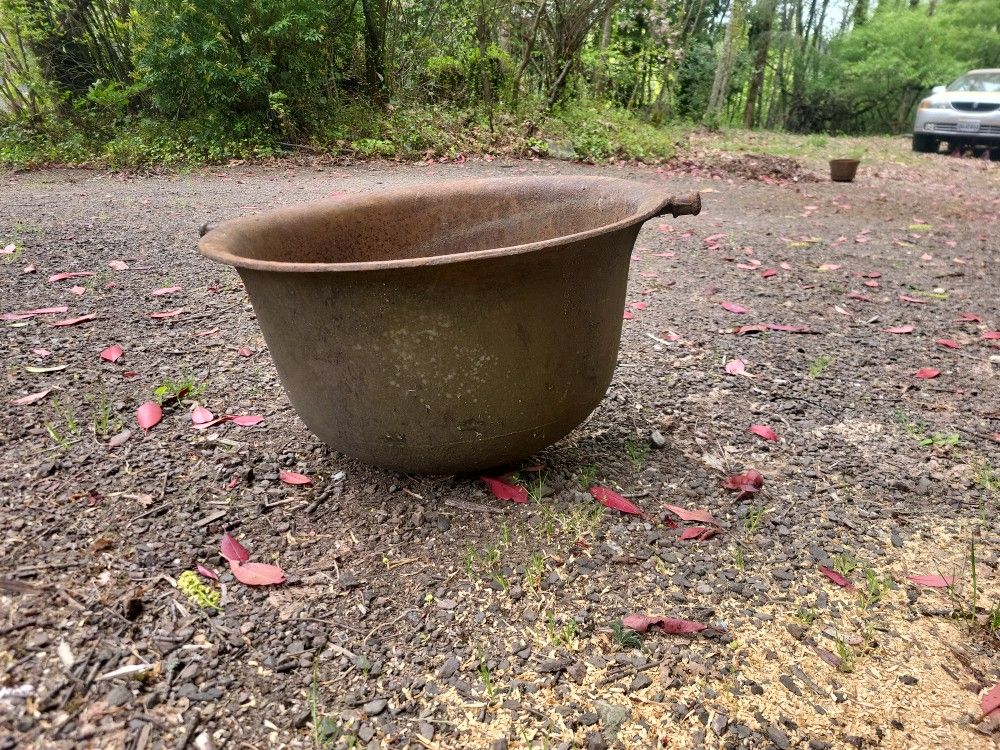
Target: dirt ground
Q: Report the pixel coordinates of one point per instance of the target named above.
(424, 612)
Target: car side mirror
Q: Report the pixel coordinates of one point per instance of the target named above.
(938, 90)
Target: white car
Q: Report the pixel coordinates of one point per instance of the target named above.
(966, 112)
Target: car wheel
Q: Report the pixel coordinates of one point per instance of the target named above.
(925, 144)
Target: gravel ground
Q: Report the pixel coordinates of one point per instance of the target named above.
(424, 612)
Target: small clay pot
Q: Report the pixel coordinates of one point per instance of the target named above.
(843, 170)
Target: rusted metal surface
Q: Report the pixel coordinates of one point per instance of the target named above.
(448, 327)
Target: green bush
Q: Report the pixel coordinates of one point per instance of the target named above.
(444, 80)
(498, 69)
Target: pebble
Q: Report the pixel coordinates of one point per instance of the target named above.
(375, 707)
(426, 730)
(720, 723)
(778, 737)
(639, 682)
(596, 741)
(119, 696)
(449, 668)
(658, 440)
(587, 719)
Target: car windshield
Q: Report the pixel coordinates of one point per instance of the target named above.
(976, 82)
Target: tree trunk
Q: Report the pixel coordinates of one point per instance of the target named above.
(724, 69)
(601, 79)
(529, 47)
(760, 42)
(374, 19)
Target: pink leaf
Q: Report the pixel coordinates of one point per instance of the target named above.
(129, 374)
(829, 267)
(937, 582)
(991, 335)
(291, 477)
(200, 415)
(232, 550)
(638, 305)
(991, 700)
(713, 239)
(734, 308)
(628, 315)
(858, 296)
(22, 314)
(611, 499)
(702, 516)
(870, 284)
(949, 343)
(233, 481)
(995, 436)
(118, 265)
(768, 273)
(926, 373)
(749, 481)
(836, 577)
(914, 300)
(970, 318)
(506, 491)
(9, 249)
(736, 367)
(762, 430)
(167, 313)
(148, 415)
(642, 623)
(207, 572)
(701, 533)
(257, 574)
(78, 289)
(31, 398)
(244, 351)
(899, 329)
(43, 353)
(873, 275)
(74, 321)
(30, 268)
(246, 420)
(74, 275)
(112, 353)
(164, 291)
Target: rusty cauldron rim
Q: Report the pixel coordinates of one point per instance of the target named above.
(217, 241)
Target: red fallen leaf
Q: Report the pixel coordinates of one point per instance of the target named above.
(702, 516)
(120, 439)
(642, 623)
(112, 353)
(873, 275)
(991, 701)
(30, 268)
(914, 300)
(995, 436)
(31, 398)
(233, 481)
(245, 420)
(638, 305)
(164, 291)
(611, 499)
(937, 582)
(734, 308)
(736, 367)
(245, 351)
(73, 275)
(926, 373)
(950, 343)
(836, 577)
(74, 321)
(829, 267)
(9, 249)
(200, 415)
(118, 265)
(167, 313)
(78, 289)
(207, 572)
(768, 273)
(129, 374)
(292, 477)
(701, 533)
(22, 314)
(257, 574)
(628, 315)
(870, 284)
(898, 329)
(970, 318)
(713, 238)
(858, 296)
(991, 335)
(750, 481)
(148, 415)
(762, 430)
(828, 656)
(43, 353)
(232, 550)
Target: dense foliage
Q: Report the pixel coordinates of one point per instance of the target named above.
(167, 80)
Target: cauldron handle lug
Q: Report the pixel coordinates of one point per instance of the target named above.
(205, 228)
(681, 205)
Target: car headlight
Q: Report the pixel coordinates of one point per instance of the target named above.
(932, 104)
